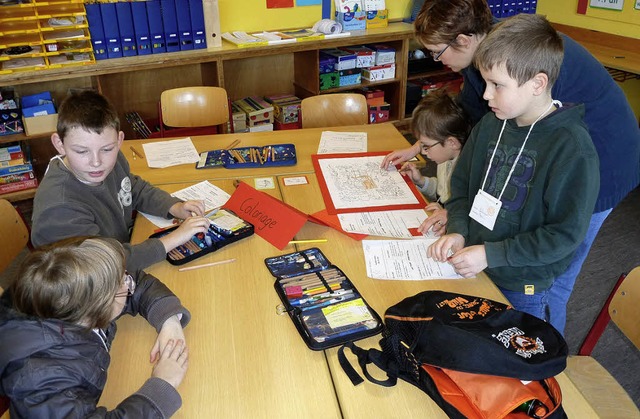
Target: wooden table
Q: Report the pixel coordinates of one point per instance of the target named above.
(380, 137)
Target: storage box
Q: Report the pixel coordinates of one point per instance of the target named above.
(329, 80)
(10, 121)
(377, 19)
(44, 124)
(239, 118)
(277, 125)
(353, 21)
(373, 96)
(452, 83)
(258, 110)
(365, 57)
(379, 113)
(384, 54)
(327, 63)
(286, 108)
(344, 60)
(350, 77)
(380, 72)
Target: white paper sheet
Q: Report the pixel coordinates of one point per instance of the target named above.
(359, 182)
(342, 142)
(395, 224)
(404, 259)
(170, 153)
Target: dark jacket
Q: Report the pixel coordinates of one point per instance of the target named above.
(53, 369)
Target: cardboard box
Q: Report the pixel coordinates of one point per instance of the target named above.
(261, 127)
(373, 96)
(239, 118)
(327, 63)
(380, 72)
(353, 21)
(329, 80)
(365, 57)
(350, 77)
(257, 110)
(286, 108)
(384, 54)
(379, 113)
(344, 60)
(36, 125)
(377, 19)
(452, 83)
(277, 125)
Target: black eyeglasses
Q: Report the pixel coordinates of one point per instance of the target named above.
(131, 286)
(436, 55)
(426, 148)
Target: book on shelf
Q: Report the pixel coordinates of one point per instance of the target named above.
(20, 177)
(11, 152)
(18, 186)
(15, 170)
(243, 39)
(12, 162)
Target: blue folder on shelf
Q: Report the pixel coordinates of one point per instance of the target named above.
(197, 24)
(141, 27)
(170, 24)
(94, 18)
(125, 25)
(156, 30)
(184, 25)
(111, 31)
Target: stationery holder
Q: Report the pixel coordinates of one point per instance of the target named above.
(248, 157)
(225, 228)
(324, 305)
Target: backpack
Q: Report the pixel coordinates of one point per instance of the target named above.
(476, 358)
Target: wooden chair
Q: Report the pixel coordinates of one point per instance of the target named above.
(199, 110)
(14, 232)
(334, 110)
(595, 383)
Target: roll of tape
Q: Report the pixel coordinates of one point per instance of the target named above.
(327, 27)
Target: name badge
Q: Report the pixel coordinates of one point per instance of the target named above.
(485, 209)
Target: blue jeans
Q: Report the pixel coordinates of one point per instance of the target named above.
(551, 304)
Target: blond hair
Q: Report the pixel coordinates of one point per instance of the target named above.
(526, 44)
(74, 280)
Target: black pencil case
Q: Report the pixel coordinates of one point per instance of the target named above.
(246, 157)
(226, 228)
(323, 303)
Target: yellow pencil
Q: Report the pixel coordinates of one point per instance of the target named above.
(308, 241)
(233, 144)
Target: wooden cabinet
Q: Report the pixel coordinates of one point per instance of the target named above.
(135, 83)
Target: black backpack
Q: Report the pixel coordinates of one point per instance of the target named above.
(476, 358)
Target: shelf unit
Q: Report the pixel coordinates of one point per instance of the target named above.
(135, 83)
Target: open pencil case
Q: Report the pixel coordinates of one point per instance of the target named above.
(244, 157)
(226, 228)
(323, 303)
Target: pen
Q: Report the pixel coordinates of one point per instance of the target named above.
(206, 265)
(233, 144)
(136, 153)
(308, 241)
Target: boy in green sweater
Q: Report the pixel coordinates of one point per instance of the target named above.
(527, 180)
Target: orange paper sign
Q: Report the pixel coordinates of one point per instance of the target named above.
(273, 220)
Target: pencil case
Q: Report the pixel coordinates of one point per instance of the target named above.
(247, 157)
(226, 228)
(324, 305)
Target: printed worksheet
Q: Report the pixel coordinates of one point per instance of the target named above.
(395, 224)
(342, 142)
(359, 182)
(404, 259)
(170, 153)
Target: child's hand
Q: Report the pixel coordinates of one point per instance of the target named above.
(400, 156)
(187, 209)
(445, 246)
(437, 221)
(413, 172)
(171, 330)
(469, 261)
(189, 227)
(173, 363)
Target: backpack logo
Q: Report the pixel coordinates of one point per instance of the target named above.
(524, 346)
(467, 309)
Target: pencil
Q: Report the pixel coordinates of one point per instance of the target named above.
(136, 152)
(233, 144)
(308, 241)
(206, 265)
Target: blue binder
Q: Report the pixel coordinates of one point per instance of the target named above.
(197, 24)
(184, 24)
(94, 18)
(156, 30)
(111, 31)
(170, 24)
(125, 25)
(141, 27)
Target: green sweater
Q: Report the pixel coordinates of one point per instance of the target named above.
(547, 204)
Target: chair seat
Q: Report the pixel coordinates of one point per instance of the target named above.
(600, 389)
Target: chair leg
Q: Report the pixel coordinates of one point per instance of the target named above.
(599, 324)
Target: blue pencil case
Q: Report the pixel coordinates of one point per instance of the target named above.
(324, 305)
(248, 157)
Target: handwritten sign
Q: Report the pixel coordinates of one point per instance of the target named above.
(607, 4)
(273, 220)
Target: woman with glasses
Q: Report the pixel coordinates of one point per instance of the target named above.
(57, 322)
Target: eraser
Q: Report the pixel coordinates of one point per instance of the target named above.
(293, 291)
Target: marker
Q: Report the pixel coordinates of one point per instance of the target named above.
(308, 241)
(136, 153)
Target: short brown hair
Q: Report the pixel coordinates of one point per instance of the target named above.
(441, 21)
(88, 110)
(439, 116)
(74, 280)
(526, 44)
